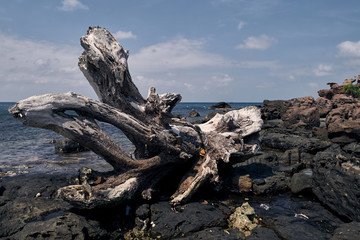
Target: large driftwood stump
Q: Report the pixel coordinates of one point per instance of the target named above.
(162, 142)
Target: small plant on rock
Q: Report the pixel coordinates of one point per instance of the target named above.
(352, 90)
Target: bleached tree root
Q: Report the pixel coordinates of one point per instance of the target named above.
(162, 142)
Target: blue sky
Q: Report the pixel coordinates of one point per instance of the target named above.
(215, 50)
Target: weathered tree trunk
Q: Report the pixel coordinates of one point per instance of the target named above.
(162, 142)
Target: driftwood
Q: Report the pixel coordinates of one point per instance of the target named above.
(163, 143)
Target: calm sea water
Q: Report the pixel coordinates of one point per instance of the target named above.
(28, 150)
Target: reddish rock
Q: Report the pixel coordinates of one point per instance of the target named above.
(324, 106)
(301, 112)
(326, 93)
(329, 93)
(343, 121)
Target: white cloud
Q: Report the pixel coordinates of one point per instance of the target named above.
(259, 43)
(323, 70)
(124, 35)
(221, 79)
(38, 66)
(241, 25)
(349, 49)
(176, 54)
(70, 5)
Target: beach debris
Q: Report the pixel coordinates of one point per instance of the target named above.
(301, 216)
(265, 206)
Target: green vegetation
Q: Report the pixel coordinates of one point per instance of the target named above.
(352, 90)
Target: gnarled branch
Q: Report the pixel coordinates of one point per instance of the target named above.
(162, 144)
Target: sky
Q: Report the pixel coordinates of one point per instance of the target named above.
(208, 51)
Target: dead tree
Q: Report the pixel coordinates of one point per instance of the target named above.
(162, 142)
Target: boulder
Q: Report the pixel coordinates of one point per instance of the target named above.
(272, 109)
(220, 106)
(193, 114)
(336, 181)
(273, 184)
(343, 121)
(301, 181)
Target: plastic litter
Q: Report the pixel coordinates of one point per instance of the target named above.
(265, 206)
(301, 216)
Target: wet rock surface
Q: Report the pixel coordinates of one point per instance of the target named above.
(186, 220)
(29, 210)
(193, 114)
(293, 217)
(68, 146)
(347, 231)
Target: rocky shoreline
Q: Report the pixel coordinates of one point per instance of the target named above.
(304, 183)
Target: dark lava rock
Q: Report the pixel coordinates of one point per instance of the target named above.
(215, 233)
(220, 105)
(353, 149)
(29, 210)
(336, 181)
(193, 114)
(283, 142)
(186, 220)
(301, 181)
(296, 218)
(295, 156)
(16, 214)
(262, 233)
(30, 185)
(347, 231)
(67, 226)
(68, 146)
(272, 109)
(272, 184)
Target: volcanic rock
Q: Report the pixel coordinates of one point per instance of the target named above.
(336, 181)
(301, 112)
(220, 105)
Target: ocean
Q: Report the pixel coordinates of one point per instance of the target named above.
(26, 150)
